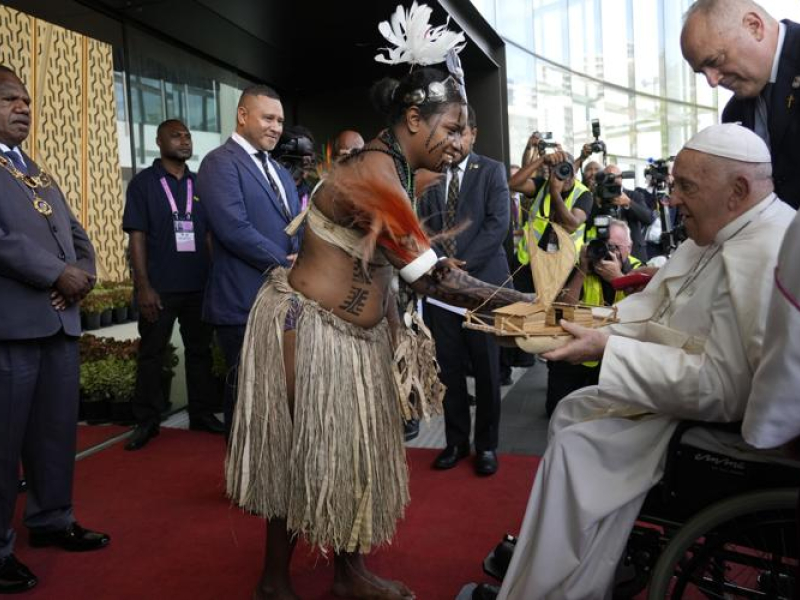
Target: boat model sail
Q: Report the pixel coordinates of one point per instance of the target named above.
(534, 326)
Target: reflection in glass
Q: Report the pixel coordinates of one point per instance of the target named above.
(515, 21)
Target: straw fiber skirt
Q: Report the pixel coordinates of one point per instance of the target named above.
(335, 469)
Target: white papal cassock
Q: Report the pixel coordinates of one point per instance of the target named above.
(773, 411)
(685, 348)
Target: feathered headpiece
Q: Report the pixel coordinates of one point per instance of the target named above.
(417, 43)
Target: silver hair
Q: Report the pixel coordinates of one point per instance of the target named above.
(622, 225)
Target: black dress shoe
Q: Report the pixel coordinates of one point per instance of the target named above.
(22, 487)
(449, 457)
(486, 591)
(410, 429)
(73, 539)
(14, 576)
(209, 423)
(486, 462)
(506, 380)
(141, 435)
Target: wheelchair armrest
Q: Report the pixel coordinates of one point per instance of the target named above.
(675, 441)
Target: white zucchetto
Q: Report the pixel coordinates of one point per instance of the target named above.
(730, 140)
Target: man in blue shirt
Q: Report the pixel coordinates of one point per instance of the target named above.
(166, 224)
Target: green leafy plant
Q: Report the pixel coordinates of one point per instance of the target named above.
(97, 301)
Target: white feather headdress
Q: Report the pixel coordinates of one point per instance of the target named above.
(415, 41)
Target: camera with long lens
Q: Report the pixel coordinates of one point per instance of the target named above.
(598, 248)
(597, 145)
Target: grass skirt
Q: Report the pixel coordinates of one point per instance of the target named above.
(336, 469)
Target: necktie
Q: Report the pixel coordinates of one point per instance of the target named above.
(449, 244)
(16, 160)
(262, 156)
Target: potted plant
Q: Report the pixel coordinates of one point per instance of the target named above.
(120, 298)
(94, 408)
(122, 386)
(91, 308)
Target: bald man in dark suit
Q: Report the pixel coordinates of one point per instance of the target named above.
(740, 46)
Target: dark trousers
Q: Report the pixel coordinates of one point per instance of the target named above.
(454, 345)
(149, 401)
(564, 378)
(38, 423)
(231, 339)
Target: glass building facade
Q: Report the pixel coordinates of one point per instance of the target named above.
(619, 61)
(156, 81)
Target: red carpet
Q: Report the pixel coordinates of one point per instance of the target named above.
(174, 535)
(92, 435)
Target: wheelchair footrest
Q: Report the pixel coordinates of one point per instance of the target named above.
(496, 563)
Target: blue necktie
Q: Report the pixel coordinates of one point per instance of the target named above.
(264, 158)
(17, 161)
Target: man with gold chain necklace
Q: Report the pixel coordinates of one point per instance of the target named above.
(47, 264)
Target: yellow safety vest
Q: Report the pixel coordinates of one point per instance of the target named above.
(539, 215)
(593, 294)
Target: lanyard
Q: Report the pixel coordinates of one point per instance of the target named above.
(171, 198)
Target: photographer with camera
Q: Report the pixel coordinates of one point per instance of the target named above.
(558, 199)
(295, 151)
(603, 259)
(614, 201)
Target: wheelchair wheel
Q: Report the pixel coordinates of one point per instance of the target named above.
(743, 547)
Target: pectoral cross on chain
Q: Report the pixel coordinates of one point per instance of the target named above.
(789, 101)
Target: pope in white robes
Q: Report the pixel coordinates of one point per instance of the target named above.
(686, 347)
(773, 411)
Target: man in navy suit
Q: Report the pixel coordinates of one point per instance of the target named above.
(473, 199)
(249, 200)
(46, 267)
(738, 45)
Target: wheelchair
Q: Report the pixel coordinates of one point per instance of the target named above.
(721, 523)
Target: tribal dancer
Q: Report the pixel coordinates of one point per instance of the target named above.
(317, 445)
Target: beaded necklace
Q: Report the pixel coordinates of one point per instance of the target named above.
(393, 149)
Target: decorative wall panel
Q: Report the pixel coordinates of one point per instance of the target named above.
(71, 80)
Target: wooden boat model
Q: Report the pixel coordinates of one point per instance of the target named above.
(534, 326)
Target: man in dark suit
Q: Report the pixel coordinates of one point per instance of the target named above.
(473, 198)
(738, 45)
(249, 200)
(46, 267)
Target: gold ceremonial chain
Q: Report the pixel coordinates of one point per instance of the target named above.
(40, 181)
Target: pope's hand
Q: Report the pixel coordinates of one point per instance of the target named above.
(589, 344)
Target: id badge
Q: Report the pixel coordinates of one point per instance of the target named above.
(184, 236)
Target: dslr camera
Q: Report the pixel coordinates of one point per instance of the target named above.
(597, 145)
(598, 249)
(545, 142)
(563, 170)
(658, 172)
(295, 151)
(608, 187)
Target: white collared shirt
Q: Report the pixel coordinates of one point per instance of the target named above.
(248, 147)
(15, 150)
(462, 168)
